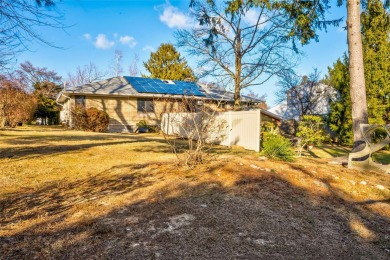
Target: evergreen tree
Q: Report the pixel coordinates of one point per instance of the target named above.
(340, 118)
(166, 63)
(48, 109)
(376, 50)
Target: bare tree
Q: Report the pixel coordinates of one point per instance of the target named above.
(305, 94)
(28, 75)
(248, 46)
(85, 74)
(133, 68)
(257, 96)
(117, 66)
(18, 22)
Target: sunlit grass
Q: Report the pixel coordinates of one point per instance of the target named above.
(331, 151)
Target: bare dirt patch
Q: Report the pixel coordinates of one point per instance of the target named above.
(74, 195)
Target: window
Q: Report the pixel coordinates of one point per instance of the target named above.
(145, 105)
(80, 100)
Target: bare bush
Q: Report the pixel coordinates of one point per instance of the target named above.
(192, 131)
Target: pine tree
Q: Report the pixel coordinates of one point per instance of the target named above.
(166, 63)
(376, 50)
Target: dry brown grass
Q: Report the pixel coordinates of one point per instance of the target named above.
(74, 195)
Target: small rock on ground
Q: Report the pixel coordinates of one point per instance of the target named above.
(254, 166)
(380, 187)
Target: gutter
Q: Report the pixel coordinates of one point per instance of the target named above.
(270, 114)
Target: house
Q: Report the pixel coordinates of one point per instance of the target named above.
(305, 99)
(128, 100)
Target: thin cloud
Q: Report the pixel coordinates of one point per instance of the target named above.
(87, 36)
(174, 18)
(148, 48)
(102, 42)
(128, 40)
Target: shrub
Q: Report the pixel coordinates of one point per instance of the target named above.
(79, 118)
(16, 104)
(277, 147)
(97, 120)
(310, 131)
(91, 119)
(268, 126)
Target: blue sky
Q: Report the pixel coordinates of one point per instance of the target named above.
(95, 29)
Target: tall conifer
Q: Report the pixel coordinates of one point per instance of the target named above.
(166, 63)
(376, 50)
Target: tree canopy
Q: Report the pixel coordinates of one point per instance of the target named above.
(376, 52)
(167, 63)
(16, 104)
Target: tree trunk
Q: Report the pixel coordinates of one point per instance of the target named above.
(238, 66)
(237, 95)
(356, 72)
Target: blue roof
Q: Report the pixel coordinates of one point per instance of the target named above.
(158, 86)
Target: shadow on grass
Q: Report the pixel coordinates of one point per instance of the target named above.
(260, 216)
(36, 128)
(26, 152)
(182, 145)
(56, 197)
(334, 151)
(312, 154)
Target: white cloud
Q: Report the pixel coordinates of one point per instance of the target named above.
(175, 18)
(251, 17)
(87, 36)
(148, 48)
(128, 40)
(102, 42)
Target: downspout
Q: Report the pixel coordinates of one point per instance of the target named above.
(62, 94)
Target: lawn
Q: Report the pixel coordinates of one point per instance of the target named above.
(73, 195)
(331, 151)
